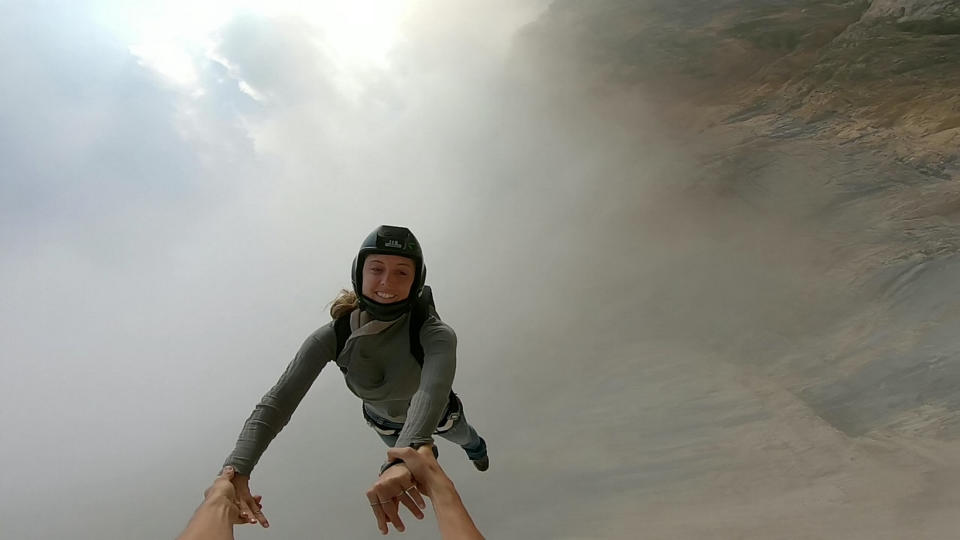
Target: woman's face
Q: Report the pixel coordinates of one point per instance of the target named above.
(388, 278)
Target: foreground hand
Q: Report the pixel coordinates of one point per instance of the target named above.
(251, 511)
(452, 516)
(394, 487)
(222, 487)
(219, 511)
(424, 467)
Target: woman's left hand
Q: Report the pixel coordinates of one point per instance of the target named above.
(396, 485)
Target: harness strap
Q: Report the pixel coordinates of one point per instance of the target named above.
(417, 317)
(450, 416)
(342, 329)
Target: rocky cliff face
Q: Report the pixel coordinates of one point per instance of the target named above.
(884, 72)
(838, 121)
(733, 283)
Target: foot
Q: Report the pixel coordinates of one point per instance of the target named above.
(481, 464)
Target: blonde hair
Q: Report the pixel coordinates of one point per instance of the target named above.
(343, 304)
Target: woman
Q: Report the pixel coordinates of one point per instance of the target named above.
(406, 395)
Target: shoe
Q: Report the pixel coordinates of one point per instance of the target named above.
(481, 464)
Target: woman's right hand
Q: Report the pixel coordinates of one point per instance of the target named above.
(251, 511)
(422, 464)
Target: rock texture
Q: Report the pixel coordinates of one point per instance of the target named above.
(797, 305)
(886, 72)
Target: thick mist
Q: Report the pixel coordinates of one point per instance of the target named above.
(638, 309)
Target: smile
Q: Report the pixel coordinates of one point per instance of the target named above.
(386, 296)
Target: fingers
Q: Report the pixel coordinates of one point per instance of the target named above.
(387, 509)
(409, 457)
(394, 487)
(405, 453)
(245, 510)
(428, 453)
(243, 515)
(246, 514)
(412, 499)
(376, 506)
(258, 513)
(392, 509)
(422, 465)
(251, 511)
(417, 461)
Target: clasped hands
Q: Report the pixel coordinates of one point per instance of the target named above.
(404, 483)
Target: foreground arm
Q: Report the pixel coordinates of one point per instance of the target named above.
(216, 515)
(426, 407)
(452, 517)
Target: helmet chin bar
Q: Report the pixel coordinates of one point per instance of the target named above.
(385, 312)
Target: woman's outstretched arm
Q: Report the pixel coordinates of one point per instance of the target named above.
(436, 379)
(274, 412)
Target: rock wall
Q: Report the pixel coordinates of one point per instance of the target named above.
(836, 120)
(885, 72)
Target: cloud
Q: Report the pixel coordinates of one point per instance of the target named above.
(281, 59)
(165, 238)
(90, 138)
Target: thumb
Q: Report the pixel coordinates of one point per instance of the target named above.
(404, 453)
(228, 473)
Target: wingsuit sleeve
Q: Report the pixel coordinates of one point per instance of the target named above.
(430, 400)
(277, 405)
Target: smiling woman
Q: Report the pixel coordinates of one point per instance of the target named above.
(396, 355)
(388, 277)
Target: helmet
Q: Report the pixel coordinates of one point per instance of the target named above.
(389, 240)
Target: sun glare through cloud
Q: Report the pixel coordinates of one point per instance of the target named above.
(174, 38)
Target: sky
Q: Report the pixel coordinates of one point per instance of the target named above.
(183, 186)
